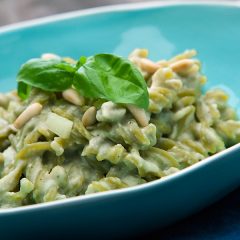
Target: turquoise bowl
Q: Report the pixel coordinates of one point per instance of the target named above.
(166, 30)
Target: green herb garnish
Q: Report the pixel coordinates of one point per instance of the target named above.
(103, 76)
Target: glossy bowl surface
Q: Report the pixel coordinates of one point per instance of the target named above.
(166, 30)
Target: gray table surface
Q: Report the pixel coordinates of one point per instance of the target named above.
(19, 10)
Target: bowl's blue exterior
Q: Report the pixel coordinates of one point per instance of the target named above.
(165, 31)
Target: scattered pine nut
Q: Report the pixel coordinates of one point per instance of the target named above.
(182, 65)
(30, 112)
(73, 97)
(89, 117)
(148, 65)
(139, 114)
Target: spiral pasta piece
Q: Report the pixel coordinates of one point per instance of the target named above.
(209, 138)
(163, 90)
(128, 176)
(105, 184)
(131, 134)
(152, 163)
(16, 199)
(110, 112)
(104, 149)
(229, 131)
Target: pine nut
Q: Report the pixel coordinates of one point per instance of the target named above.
(182, 65)
(89, 117)
(139, 114)
(148, 65)
(30, 112)
(73, 97)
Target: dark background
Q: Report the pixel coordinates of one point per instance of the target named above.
(18, 10)
(220, 221)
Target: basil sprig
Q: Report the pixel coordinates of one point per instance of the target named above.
(104, 76)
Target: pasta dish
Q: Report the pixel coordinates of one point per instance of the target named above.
(100, 123)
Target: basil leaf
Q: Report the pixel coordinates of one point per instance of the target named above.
(23, 90)
(112, 78)
(104, 76)
(82, 60)
(49, 75)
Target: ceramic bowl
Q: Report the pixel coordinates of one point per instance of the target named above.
(165, 29)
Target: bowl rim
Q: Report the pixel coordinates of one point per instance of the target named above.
(112, 8)
(129, 190)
